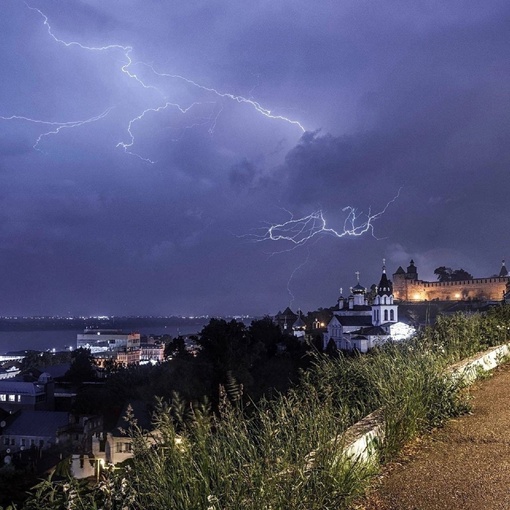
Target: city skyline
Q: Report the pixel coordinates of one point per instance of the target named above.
(146, 152)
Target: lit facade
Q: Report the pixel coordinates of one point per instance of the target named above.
(407, 287)
(98, 340)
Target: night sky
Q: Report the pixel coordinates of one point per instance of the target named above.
(181, 131)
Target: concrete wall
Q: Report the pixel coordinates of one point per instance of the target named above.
(362, 438)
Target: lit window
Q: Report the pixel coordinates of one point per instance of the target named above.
(3, 398)
(12, 398)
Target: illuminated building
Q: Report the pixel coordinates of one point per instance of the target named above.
(407, 287)
(98, 340)
(356, 325)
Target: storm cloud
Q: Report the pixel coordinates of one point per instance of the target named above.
(159, 207)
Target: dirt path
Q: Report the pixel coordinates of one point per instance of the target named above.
(464, 466)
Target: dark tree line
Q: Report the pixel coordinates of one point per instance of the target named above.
(257, 359)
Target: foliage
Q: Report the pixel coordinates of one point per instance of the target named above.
(229, 348)
(82, 367)
(286, 452)
(40, 360)
(174, 346)
(447, 274)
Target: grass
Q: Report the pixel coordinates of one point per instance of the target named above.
(286, 453)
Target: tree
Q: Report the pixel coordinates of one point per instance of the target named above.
(264, 331)
(443, 273)
(175, 347)
(446, 274)
(459, 275)
(82, 367)
(228, 347)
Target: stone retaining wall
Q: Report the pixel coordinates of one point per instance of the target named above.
(361, 440)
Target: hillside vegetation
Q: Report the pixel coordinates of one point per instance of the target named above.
(285, 453)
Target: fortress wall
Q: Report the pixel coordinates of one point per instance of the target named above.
(478, 288)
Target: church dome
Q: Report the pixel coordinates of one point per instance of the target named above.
(358, 289)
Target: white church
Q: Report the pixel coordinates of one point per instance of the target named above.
(356, 325)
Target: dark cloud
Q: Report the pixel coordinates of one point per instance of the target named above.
(392, 96)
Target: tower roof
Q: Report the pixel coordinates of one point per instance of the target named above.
(300, 323)
(400, 270)
(288, 313)
(504, 270)
(385, 287)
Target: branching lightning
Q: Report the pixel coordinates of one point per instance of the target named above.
(239, 99)
(300, 231)
(128, 145)
(306, 230)
(127, 67)
(56, 126)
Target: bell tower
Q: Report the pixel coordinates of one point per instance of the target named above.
(383, 309)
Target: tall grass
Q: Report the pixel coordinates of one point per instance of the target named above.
(286, 453)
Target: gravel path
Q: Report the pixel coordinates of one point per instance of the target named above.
(463, 466)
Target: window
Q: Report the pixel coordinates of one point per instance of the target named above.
(6, 441)
(392, 315)
(12, 398)
(19, 398)
(23, 441)
(3, 397)
(123, 447)
(385, 315)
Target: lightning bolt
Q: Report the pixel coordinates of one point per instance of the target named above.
(291, 277)
(126, 146)
(239, 99)
(309, 229)
(127, 68)
(302, 230)
(57, 126)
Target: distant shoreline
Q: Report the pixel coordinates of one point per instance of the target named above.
(124, 323)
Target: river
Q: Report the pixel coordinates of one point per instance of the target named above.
(42, 340)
